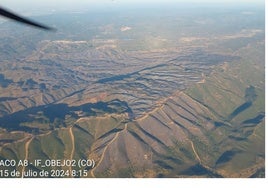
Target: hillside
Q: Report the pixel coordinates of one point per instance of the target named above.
(137, 103)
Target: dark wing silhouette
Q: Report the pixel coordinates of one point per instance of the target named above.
(13, 16)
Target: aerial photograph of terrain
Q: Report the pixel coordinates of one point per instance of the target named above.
(133, 89)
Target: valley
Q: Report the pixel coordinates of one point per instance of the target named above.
(190, 104)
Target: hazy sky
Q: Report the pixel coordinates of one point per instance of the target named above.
(45, 5)
(83, 2)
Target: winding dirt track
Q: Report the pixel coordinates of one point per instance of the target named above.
(196, 155)
(26, 154)
(102, 156)
(73, 145)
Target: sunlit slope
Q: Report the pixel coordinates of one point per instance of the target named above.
(213, 129)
